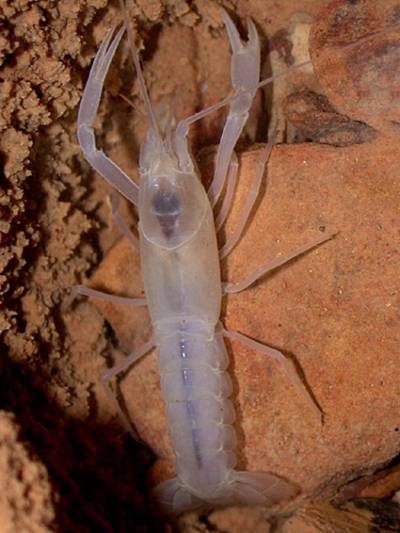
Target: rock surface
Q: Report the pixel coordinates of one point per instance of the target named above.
(335, 311)
(55, 227)
(355, 52)
(317, 121)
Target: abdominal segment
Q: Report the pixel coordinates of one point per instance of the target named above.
(196, 388)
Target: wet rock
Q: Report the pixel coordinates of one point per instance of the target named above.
(355, 51)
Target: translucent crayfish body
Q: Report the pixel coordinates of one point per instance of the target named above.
(180, 263)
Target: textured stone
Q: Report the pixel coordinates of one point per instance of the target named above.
(355, 51)
(334, 310)
(316, 120)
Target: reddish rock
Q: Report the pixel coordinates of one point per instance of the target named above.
(358, 516)
(355, 51)
(121, 276)
(383, 484)
(316, 120)
(334, 310)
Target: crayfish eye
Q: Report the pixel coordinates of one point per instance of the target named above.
(166, 207)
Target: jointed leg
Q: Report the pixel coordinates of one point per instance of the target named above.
(87, 113)
(283, 361)
(118, 300)
(117, 369)
(120, 222)
(248, 206)
(274, 263)
(245, 73)
(230, 189)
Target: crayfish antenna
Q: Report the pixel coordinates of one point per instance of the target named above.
(135, 58)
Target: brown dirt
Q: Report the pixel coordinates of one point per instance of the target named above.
(65, 462)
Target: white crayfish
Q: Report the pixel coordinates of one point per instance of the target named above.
(181, 271)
